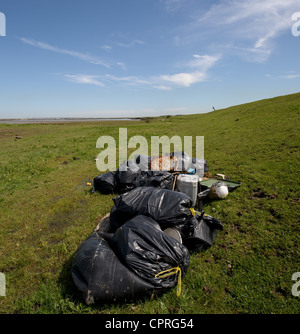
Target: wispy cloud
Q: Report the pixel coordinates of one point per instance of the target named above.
(84, 79)
(260, 20)
(290, 76)
(176, 5)
(121, 65)
(203, 62)
(107, 80)
(161, 87)
(184, 79)
(130, 44)
(83, 56)
(129, 80)
(251, 54)
(251, 26)
(106, 47)
(200, 65)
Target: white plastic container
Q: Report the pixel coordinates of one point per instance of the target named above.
(188, 184)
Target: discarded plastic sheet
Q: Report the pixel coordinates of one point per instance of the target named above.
(207, 183)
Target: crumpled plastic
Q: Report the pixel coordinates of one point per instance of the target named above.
(148, 251)
(153, 178)
(200, 231)
(166, 207)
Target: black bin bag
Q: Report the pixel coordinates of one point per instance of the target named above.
(150, 253)
(105, 183)
(168, 208)
(155, 178)
(200, 232)
(126, 175)
(101, 277)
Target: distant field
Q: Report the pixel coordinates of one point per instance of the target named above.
(47, 211)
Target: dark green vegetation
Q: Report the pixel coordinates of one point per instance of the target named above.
(47, 211)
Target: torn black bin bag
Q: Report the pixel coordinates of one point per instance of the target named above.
(105, 183)
(149, 252)
(101, 277)
(200, 232)
(166, 207)
(126, 174)
(155, 178)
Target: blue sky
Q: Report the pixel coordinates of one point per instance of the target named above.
(128, 58)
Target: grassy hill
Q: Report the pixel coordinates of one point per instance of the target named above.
(47, 211)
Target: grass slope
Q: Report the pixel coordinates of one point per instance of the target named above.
(47, 211)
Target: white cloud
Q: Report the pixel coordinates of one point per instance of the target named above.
(200, 64)
(184, 79)
(83, 56)
(203, 62)
(84, 79)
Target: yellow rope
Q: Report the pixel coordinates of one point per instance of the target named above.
(193, 211)
(169, 272)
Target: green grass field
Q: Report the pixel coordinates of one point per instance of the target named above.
(47, 211)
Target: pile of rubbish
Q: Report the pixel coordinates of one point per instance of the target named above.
(143, 245)
(149, 171)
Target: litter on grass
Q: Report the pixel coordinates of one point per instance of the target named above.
(143, 245)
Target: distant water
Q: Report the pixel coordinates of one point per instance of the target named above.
(60, 120)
